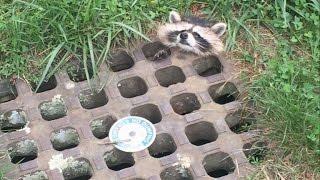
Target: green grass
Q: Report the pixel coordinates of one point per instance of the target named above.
(36, 34)
(38, 38)
(288, 96)
(287, 91)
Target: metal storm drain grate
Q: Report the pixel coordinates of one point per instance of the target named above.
(59, 131)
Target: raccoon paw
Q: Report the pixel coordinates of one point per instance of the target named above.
(162, 54)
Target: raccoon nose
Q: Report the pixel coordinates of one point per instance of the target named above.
(184, 35)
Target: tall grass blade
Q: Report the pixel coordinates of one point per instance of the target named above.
(105, 51)
(98, 34)
(85, 64)
(52, 55)
(104, 58)
(93, 62)
(283, 6)
(131, 29)
(315, 4)
(29, 4)
(247, 29)
(63, 33)
(134, 2)
(61, 63)
(108, 79)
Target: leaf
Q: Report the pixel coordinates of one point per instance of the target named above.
(308, 34)
(294, 39)
(287, 88)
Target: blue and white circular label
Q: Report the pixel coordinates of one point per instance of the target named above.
(132, 134)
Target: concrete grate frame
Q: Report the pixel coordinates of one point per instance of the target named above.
(117, 105)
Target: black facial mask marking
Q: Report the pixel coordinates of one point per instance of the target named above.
(172, 36)
(203, 44)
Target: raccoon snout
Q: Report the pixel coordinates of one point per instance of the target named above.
(184, 35)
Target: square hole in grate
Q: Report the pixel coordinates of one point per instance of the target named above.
(117, 160)
(240, 121)
(46, 85)
(156, 51)
(176, 172)
(8, 91)
(54, 109)
(170, 75)
(90, 99)
(64, 138)
(201, 133)
(185, 103)
(255, 151)
(163, 145)
(100, 127)
(13, 120)
(223, 93)
(120, 61)
(207, 66)
(218, 164)
(132, 87)
(150, 112)
(23, 151)
(77, 169)
(77, 72)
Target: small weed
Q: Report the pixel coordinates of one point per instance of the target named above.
(257, 155)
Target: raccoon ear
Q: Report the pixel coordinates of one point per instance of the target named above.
(174, 17)
(219, 29)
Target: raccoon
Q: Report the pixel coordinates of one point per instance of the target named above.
(192, 34)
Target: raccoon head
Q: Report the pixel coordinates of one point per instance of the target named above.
(192, 34)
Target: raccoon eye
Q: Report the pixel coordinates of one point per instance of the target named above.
(196, 35)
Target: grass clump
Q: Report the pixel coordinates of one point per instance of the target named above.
(285, 78)
(40, 36)
(288, 96)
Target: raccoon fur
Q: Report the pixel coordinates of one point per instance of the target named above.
(192, 34)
